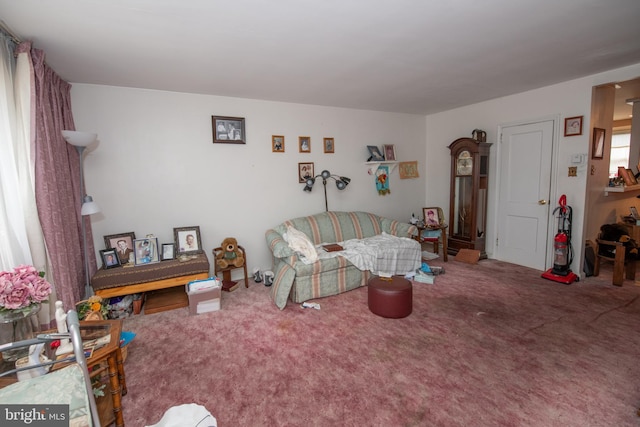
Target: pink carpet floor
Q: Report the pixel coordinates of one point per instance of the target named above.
(487, 345)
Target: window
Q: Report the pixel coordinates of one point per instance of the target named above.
(620, 144)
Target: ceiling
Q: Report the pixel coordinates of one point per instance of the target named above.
(407, 56)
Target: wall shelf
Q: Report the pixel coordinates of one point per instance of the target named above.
(373, 166)
(623, 189)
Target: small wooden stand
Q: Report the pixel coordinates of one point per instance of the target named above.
(228, 284)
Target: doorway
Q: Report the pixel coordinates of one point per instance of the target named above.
(525, 166)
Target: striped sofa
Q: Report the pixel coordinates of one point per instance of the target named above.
(301, 282)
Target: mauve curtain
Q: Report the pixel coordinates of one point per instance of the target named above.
(57, 176)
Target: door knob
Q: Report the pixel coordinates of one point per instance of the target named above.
(542, 202)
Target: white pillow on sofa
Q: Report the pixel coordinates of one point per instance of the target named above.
(299, 242)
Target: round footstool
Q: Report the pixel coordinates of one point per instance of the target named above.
(390, 297)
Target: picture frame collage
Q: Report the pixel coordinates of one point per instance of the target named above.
(125, 250)
(304, 144)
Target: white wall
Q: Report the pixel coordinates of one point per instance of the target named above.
(156, 168)
(559, 101)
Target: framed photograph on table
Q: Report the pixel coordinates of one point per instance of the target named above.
(431, 217)
(187, 240)
(168, 251)
(123, 244)
(573, 126)
(228, 130)
(109, 258)
(146, 250)
(305, 170)
(597, 149)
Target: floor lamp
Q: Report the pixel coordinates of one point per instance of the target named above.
(81, 140)
(341, 183)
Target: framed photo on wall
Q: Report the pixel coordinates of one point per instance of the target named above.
(329, 145)
(187, 240)
(123, 244)
(109, 258)
(305, 144)
(146, 250)
(573, 126)
(408, 170)
(277, 143)
(597, 149)
(228, 130)
(305, 170)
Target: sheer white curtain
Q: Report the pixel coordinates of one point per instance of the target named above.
(14, 244)
(21, 237)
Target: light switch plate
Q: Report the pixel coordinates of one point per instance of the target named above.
(573, 171)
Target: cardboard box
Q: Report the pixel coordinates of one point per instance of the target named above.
(205, 300)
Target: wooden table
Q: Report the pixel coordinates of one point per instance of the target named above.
(112, 354)
(434, 240)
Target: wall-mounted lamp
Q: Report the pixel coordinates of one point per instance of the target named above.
(341, 183)
(81, 140)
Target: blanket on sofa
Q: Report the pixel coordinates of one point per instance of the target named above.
(383, 255)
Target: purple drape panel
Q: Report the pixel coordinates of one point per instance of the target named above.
(57, 172)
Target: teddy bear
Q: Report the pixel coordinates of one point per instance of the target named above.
(617, 233)
(230, 255)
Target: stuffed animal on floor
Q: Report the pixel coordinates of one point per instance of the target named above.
(230, 254)
(617, 233)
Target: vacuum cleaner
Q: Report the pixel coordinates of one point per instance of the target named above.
(562, 249)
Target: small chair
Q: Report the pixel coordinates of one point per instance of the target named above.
(434, 230)
(621, 266)
(226, 272)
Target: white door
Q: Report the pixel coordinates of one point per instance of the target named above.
(524, 190)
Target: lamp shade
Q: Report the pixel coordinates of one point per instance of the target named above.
(79, 139)
(89, 207)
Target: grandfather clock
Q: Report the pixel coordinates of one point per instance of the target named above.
(468, 204)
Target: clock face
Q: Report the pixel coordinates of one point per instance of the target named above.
(464, 163)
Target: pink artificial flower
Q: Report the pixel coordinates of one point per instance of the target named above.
(16, 296)
(22, 287)
(41, 290)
